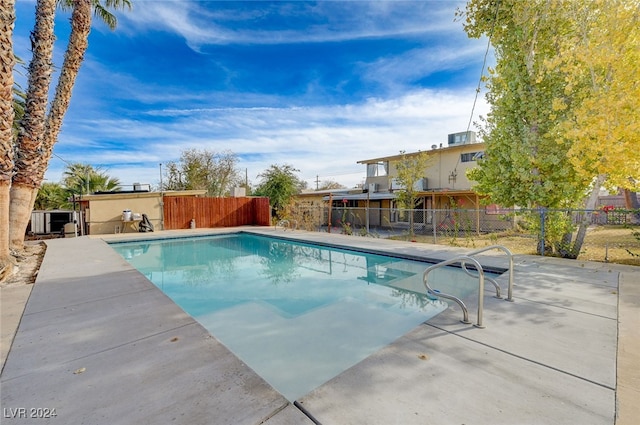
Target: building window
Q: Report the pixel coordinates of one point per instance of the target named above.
(378, 169)
(345, 203)
(471, 156)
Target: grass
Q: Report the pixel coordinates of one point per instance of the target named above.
(603, 243)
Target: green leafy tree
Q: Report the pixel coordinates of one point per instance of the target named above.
(564, 99)
(215, 172)
(410, 169)
(279, 183)
(330, 184)
(524, 164)
(600, 62)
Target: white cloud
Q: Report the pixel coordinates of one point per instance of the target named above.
(324, 140)
(419, 63)
(127, 119)
(205, 23)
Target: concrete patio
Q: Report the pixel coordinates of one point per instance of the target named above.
(101, 344)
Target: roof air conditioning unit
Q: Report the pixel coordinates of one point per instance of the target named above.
(420, 184)
(238, 192)
(462, 138)
(396, 185)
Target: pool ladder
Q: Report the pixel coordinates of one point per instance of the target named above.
(463, 260)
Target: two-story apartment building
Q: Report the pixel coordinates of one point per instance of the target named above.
(444, 185)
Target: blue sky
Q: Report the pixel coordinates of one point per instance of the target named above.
(316, 85)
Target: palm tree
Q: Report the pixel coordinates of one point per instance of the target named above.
(76, 178)
(52, 196)
(101, 182)
(7, 61)
(19, 102)
(32, 124)
(35, 152)
(82, 179)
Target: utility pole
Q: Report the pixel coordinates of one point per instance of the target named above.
(330, 203)
(161, 200)
(317, 181)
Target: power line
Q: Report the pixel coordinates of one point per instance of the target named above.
(61, 159)
(341, 174)
(484, 64)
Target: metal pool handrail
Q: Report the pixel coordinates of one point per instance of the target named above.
(282, 223)
(487, 278)
(510, 255)
(465, 312)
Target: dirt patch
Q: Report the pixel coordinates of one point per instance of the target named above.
(27, 265)
(609, 244)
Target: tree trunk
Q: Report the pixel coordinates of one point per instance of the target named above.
(6, 259)
(632, 203)
(29, 143)
(631, 200)
(22, 199)
(27, 188)
(7, 62)
(564, 248)
(590, 204)
(73, 58)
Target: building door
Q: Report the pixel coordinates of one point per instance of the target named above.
(374, 213)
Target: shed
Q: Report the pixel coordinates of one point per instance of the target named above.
(45, 222)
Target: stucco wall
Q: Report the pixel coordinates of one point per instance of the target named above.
(104, 214)
(104, 211)
(442, 163)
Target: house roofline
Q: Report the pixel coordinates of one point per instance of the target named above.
(377, 196)
(410, 154)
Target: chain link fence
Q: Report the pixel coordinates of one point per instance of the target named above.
(463, 227)
(438, 222)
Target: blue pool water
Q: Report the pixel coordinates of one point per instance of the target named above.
(298, 314)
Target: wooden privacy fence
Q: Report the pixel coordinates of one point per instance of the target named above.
(215, 212)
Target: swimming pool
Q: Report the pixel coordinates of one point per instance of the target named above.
(298, 314)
